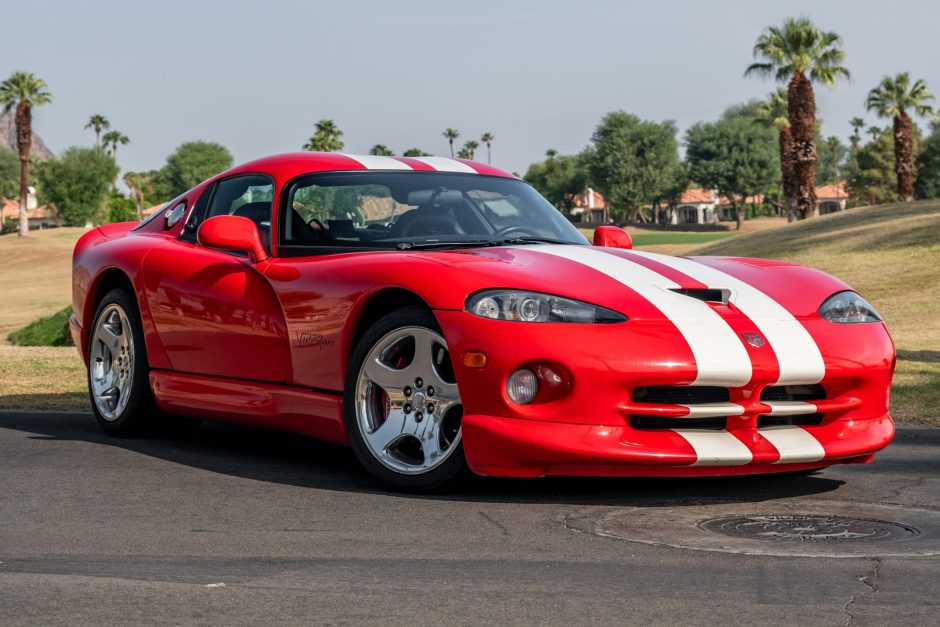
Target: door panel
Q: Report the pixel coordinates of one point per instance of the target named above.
(216, 313)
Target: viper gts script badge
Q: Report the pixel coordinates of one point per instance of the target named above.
(754, 339)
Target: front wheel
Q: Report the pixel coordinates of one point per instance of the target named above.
(402, 406)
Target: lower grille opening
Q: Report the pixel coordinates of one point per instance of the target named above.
(806, 420)
(656, 422)
(680, 394)
(793, 393)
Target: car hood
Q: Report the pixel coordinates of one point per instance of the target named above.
(640, 285)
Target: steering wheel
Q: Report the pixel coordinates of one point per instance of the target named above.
(515, 229)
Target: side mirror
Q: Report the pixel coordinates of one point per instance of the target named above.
(612, 237)
(232, 233)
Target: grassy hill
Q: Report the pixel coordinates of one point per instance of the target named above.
(891, 255)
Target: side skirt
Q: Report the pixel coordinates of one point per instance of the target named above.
(300, 410)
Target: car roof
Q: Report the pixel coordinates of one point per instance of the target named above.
(288, 165)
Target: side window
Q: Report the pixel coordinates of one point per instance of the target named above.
(249, 196)
(197, 215)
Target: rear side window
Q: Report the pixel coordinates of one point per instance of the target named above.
(249, 196)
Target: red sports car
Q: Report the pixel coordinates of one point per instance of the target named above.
(438, 315)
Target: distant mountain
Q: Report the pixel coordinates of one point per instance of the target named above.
(8, 138)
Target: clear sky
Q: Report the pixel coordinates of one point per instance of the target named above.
(537, 74)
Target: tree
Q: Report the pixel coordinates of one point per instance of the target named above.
(875, 180)
(99, 123)
(463, 153)
(381, 150)
(415, 152)
(487, 139)
(23, 91)
(894, 98)
(451, 134)
(874, 131)
(112, 139)
(141, 185)
(470, 148)
(189, 165)
(734, 156)
(772, 113)
(632, 162)
(559, 179)
(77, 184)
(857, 125)
(927, 184)
(790, 53)
(832, 155)
(326, 137)
(9, 179)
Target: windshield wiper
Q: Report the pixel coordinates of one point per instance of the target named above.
(446, 244)
(534, 240)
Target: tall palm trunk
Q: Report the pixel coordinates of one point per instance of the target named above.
(787, 179)
(451, 148)
(488, 152)
(904, 156)
(801, 110)
(24, 141)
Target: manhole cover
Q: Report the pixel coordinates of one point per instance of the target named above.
(794, 527)
(809, 528)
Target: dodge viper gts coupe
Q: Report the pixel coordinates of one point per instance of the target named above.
(439, 316)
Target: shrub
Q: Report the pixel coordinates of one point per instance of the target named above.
(49, 331)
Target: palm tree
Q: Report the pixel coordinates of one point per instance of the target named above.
(789, 54)
(857, 125)
(451, 134)
(23, 91)
(487, 139)
(773, 113)
(414, 152)
(470, 148)
(99, 123)
(112, 139)
(463, 153)
(381, 150)
(326, 137)
(893, 98)
(136, 182)
(834, 147)
(874, 131)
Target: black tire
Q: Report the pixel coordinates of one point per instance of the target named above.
(453, 471)
(139, 414)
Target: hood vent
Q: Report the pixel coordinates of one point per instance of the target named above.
(707, 295)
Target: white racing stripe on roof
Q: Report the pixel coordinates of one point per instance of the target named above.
(719, 355)
(716, 448)
(795, 444)
(375, 162)
(797, 353)
(445, 164)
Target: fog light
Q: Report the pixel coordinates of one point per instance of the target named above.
(522, 386)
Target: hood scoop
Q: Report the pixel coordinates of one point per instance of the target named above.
(706, 295)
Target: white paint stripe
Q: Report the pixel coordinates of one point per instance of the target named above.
(716, 448)
(797, 353)
(790, 408)
(712, 410)
(794, 444)
(445, 164)
(375, 162)
(719, 355)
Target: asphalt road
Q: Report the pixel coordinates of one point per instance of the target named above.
(239, 526)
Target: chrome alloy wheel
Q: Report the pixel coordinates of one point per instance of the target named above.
(111, 362)
(407, 404)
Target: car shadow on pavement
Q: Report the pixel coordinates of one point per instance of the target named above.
(288, 459)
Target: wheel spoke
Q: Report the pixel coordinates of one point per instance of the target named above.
(389, 379)
(111, 338)
(388, 431)
(431, 442)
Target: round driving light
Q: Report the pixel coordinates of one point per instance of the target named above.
(487, 308)
(522, 386)
(529, 310)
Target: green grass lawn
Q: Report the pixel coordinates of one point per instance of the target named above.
(679, 237)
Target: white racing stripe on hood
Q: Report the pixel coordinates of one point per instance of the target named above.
(797, 353)
(445, 164)
(375, 162)
(719, 355)
(716, 448)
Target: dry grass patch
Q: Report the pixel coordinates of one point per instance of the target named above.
(42, 378)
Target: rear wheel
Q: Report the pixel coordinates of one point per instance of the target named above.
(402, 406)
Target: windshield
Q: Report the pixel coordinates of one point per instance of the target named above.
(417, 209)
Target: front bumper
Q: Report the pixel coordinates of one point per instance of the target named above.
(509, 447)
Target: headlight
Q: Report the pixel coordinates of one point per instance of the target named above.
(848, 308)
(536, 307)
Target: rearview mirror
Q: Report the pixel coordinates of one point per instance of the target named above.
(232, 233)
(612, 237)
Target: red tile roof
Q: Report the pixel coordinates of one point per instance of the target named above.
(831, 192)
(695, 196)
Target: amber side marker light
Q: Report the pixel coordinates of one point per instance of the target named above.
(474, 359)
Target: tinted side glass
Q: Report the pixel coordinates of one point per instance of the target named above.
(249, 196)
(197, 215)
